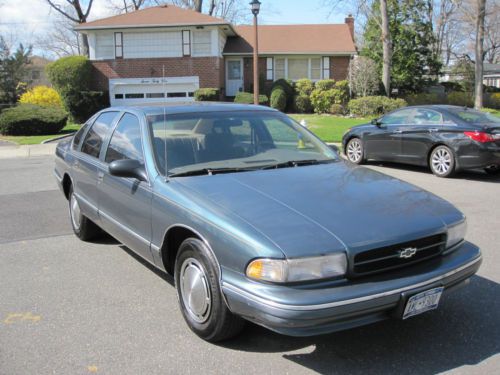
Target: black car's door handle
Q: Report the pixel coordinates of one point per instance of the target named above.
(432, 130)
(398, 131)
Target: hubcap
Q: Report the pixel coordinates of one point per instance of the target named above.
(441, 161)
(195, 291)
(354, 151)
(74, 209)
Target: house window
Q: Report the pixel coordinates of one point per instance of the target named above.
(298, 68)
(316, 68)
(326, 67)
(269, 68)
(279, 68)
(134, 96)
(176, 95)
(202, 45)
(152, 44)
(186, 42)
(35, 74)
(118, 45)
(155, 95)
(105, 46)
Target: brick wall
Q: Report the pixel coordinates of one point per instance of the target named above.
(339, 67)
(209, 69)
(248, 72)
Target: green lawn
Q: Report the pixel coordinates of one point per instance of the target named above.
(36, 139)
(327, 127)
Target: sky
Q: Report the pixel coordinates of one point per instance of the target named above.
(22, 21)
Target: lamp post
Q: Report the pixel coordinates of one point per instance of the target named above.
(255, 4)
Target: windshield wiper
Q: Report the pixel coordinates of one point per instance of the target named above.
(297, 163)
(210, 171)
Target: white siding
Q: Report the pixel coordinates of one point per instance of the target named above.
(152, 44)
(105, 46)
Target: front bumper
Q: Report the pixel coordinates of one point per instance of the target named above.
(334, 306)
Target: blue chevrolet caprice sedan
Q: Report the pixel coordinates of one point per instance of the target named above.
(258, 220)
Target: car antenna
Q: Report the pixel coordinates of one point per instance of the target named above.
(164, 120)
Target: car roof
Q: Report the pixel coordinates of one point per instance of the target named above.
(192, 107)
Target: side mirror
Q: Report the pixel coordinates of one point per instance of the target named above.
(334, 149)
(128, 168)
(376, 122)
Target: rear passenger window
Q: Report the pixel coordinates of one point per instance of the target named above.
(78, 136)
(126, 141)
(97, 133)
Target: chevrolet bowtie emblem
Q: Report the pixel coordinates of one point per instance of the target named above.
(408, 252)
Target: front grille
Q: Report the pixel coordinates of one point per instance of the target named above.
(389, 257)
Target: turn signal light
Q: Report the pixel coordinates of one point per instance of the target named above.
(480, 137)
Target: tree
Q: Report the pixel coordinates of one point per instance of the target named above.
(386, 47)
(76, 14)
(363, 76)
(478, 84)
(410, 29)
(61, 40)
(13, 72)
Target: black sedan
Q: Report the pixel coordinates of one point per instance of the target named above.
(444, 138)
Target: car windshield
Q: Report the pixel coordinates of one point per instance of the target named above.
(203, 143)
(476, 117)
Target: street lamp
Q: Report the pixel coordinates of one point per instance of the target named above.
(255, 4)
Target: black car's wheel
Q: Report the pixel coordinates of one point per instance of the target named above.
(442, 161)
(493, 170)
(83, 227)
(200, 297)
(354, 151)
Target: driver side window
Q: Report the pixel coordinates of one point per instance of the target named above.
(402, 117)
(126, 141)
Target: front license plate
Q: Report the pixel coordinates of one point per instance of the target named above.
(422, 302)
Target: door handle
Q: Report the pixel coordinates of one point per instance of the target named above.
(76, 164)
(432, 130)
(398, 131)
(100, 177)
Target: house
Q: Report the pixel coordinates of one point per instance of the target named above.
(35, 71)
(491, 74)
(165, 53)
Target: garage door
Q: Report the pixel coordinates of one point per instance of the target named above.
(134, 91)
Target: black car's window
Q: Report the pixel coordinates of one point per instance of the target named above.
(97, 133)
(427, 117)
(476, 117)
(126, 140)
(402, 117)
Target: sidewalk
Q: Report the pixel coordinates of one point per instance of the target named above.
(16, 151)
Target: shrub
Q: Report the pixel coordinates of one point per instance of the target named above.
(43, 96)
(424, 98)
(207, 95)
(247, 98)
(337, 109)
(82, 105)
(325, 84)
(451, 86)
(289, 90)
(278, 99)
(302, 104)
(29, 119)
(374, 105)
(72, 73)
(463, 99)
(493, 100)
(304, 87)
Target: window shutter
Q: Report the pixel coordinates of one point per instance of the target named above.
(186, 43)
(118, 45)
(326, 67)
(270, 74)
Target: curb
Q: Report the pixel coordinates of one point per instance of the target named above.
(9, 152)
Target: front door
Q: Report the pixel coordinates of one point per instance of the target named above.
(234, 76)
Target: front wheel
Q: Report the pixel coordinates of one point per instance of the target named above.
(354, 151)
(200, 297)
(83, 227)
(442, 161)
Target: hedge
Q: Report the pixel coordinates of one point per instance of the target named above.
(304, 87)
(247, 98)
(374, 105)
(82, 105)
(207, 95)
(278, 99)
(29, 119)
(72, 73)
(288, 88)
(463, 99)
(42, 95)
(302, 104)
(327, 93)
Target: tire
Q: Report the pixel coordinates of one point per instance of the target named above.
(442, 161)
(200, 297)
(82, 226)
(355, 151)
(493, 170)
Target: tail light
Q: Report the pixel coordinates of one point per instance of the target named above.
(480, 137)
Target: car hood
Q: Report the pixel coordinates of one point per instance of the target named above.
(313, 210)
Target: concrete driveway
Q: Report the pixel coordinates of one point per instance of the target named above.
(68, 307)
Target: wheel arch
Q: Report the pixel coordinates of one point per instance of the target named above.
(436, 145)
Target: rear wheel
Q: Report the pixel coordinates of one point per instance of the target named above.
(354, 151)
(493, 170)
(442, 161)
(200, 297)
(83, 227)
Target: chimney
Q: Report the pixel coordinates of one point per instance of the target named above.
(350, 22)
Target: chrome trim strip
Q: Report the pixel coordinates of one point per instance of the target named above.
(56, 174)
(124, 228)
(92, 206)
(345, 302)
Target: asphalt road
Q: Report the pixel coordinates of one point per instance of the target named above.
(68, 307)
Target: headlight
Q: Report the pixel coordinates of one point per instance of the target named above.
(300, 269)
(456, 233)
